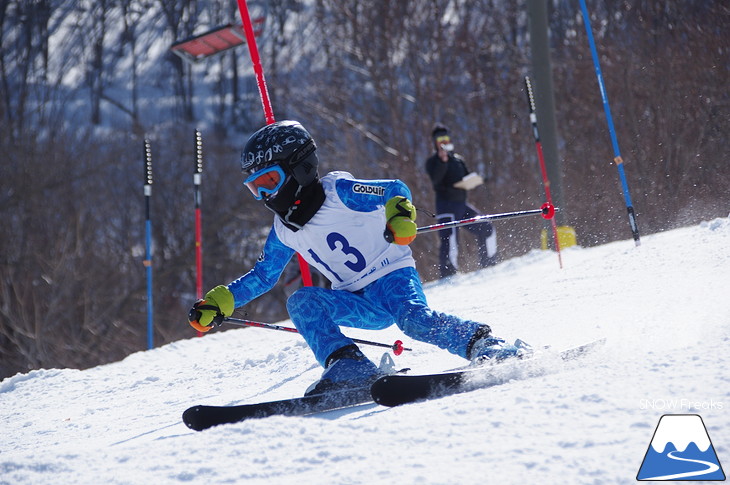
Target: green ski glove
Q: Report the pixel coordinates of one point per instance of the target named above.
(217, 304)
(400, 215)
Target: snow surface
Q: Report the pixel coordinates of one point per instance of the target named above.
(663, 307)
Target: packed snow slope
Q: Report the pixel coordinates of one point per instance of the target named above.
(664, 308)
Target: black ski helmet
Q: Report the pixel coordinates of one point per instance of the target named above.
(284, 143)
(439, 129)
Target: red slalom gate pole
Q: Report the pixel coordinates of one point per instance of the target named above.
(396, 347)
(541, 158)
(256, 61)
(197, 176)
(265, 102)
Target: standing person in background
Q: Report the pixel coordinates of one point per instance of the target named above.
(451, 180)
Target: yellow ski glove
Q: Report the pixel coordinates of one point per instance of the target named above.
(400, 215)
(217, 304)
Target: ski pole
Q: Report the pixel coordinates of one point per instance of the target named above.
(396, 347)
(547, 211)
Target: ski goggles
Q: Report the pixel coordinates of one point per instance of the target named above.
(443, 139)
(445, 143)
(266, 181)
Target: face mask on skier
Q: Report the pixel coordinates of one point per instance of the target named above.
(444, 142)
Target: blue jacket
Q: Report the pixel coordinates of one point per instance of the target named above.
(343, 240)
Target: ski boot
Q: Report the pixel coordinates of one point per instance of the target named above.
(345, 368)
(485, 348)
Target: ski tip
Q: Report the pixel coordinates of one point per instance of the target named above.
(575, 352)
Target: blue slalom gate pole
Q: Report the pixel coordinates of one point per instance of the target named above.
(609, 119)
(148, 239)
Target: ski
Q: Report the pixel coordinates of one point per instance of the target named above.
(394, 390)
(202, 417)
(390, 390)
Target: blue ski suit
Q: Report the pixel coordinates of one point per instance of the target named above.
(374, 283)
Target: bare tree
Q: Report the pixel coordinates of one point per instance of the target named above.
(368, 79)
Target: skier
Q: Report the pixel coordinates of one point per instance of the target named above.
(356, 233)
(451, 180)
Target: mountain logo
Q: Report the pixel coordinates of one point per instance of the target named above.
(680, 450)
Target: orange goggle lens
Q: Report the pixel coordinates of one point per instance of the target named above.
(265, 182)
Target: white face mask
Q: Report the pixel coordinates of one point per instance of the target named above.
(449, 147)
